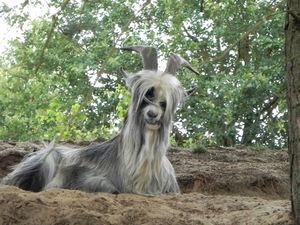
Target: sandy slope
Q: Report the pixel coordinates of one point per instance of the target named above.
(221, 186)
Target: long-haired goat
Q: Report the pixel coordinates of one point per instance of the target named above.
(135, 160)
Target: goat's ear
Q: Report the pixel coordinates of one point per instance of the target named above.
(126, 78)
(191, 91)
(125, 75)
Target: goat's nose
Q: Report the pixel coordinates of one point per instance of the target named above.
(152, 114)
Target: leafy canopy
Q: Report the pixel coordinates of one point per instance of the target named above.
(60, 75)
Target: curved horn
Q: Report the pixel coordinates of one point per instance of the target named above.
(149, 55)
(174, 62)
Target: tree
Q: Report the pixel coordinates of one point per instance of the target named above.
(240, 95)
(292, 53)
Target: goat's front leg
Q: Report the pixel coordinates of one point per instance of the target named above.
(91, 183)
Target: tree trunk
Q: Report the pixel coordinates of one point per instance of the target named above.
(292, 48)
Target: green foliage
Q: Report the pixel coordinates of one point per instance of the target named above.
(124, 98)
(241, 94)
(59, 75)
(196, 145)
(259, 147)
(173, 141)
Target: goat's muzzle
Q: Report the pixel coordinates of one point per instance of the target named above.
(152, 117)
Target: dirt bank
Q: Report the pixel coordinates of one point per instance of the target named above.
(220, 186)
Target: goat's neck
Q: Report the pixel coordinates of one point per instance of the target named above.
(144, 156)
(146, 143)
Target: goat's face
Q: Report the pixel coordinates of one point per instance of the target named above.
(154, 107)
(155, 97)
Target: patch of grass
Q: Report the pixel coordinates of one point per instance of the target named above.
(259, 147)
(199, 149)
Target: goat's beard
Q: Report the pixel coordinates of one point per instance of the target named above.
(144, 139)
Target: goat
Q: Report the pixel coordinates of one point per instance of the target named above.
(134, 161)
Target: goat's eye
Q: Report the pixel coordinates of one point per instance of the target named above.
(150, 94)
(163, 104)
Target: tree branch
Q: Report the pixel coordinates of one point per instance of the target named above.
(247, 32)
(296, 18)
(189, 35)
(49, 36)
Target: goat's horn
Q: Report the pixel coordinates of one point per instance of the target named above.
(149, 55)
(174, 62)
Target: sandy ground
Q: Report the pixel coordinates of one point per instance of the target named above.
(220, 186)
